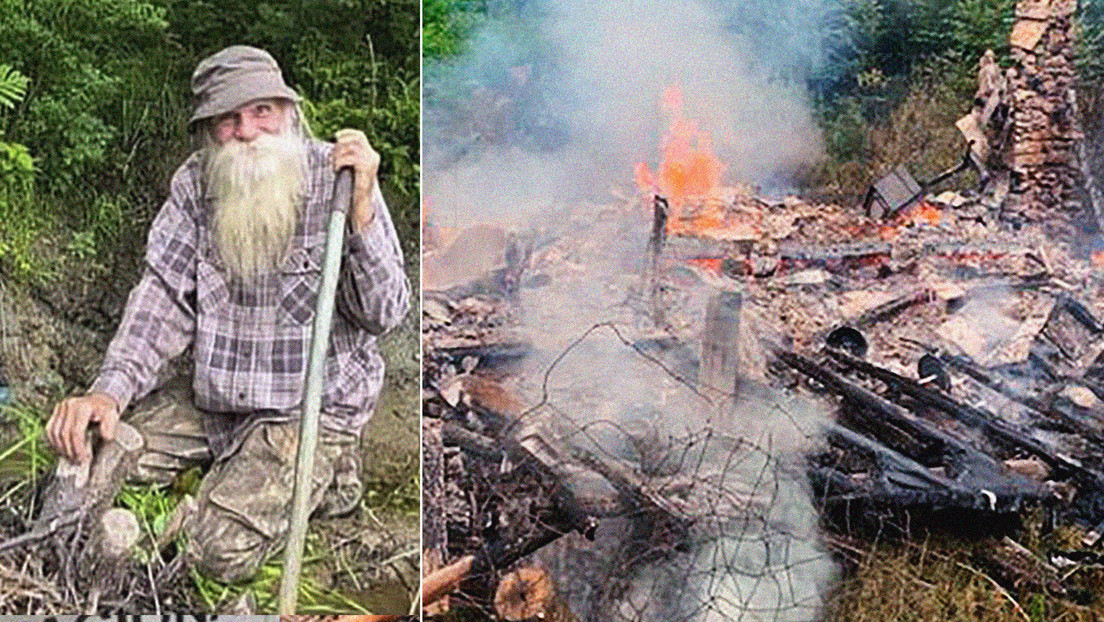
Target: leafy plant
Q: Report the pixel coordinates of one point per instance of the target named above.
(13, 86)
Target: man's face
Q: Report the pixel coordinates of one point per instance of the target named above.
(254, 172)
(250, 120)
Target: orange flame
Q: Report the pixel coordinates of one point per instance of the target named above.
(922, 212)
(927, 212)
(713, 264)
(689, 167)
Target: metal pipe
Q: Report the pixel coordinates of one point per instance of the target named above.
(312, 393)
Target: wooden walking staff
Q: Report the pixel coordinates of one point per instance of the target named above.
(312, 392)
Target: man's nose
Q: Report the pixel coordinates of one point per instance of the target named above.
(246, 129)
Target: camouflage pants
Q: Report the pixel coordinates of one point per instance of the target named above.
(240, 515)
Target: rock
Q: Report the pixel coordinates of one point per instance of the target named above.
(1027, 33)
(813, 276)
(1081, 396)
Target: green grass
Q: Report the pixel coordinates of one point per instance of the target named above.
(23, 226)
(25, 454)
(265, 587)
(403, 496)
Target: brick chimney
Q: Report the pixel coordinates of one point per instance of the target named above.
(1046, 131)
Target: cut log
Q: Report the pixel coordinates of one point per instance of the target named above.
(524, 594)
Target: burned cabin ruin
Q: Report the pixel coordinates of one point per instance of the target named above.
(632, 412)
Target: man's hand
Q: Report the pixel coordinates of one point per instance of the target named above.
(353, 150)
(66, 428)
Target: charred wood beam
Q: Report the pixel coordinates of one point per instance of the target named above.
(968, 367)
(904, 482)
(1059, 412)
(979, 482)
(893, 307)
(565, 515)
(969, 415)
(631, 487)
(835, 252)
(834, 257)
(1089, 480)
(1081, 313)
(502, 554)
(969, 461)
(656, 242)
(489, 355)
(660, 210)
(572, 515)
(974, 417)
(907, 472)
(858, 396)
(472, 442)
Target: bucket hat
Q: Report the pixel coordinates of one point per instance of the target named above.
(234, 76)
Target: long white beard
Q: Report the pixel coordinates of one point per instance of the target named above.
(257, 189)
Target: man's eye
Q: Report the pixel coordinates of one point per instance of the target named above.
(263, 110)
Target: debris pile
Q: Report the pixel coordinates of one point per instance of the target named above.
(958, 358)
(672, 393)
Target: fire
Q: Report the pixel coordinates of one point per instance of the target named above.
(689, 168)
(927, 212)
(1097, 259)
(922, 212)
(713, 264)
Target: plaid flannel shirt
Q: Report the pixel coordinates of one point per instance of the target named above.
(251, 343)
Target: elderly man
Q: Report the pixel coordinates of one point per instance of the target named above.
(233, 267)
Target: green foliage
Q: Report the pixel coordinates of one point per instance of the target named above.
(447, 24)
(1090, 55)
(151, 505)
(105, 101)
(76, 54)
(13, 86)
(22, 220)
(900, 73)
(895, 36)
(16, 169)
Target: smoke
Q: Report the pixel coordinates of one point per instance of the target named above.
(532, 128)
(750, 549)
(561, 102)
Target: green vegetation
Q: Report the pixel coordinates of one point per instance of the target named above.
(935, 576)
(94, 102)
(25, 455)
(447, 24)
(898, 80)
